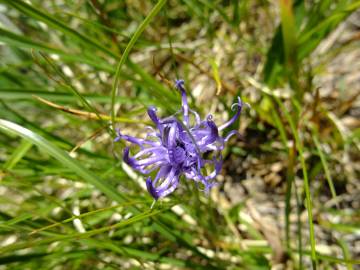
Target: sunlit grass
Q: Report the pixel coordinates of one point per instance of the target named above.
(72, 71)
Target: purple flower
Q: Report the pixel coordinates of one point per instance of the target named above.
(178, 147)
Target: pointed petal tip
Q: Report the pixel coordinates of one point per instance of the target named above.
(126, 157)
(151, 189)
(232, 133)
(238, 104)
(118, 135)
(152, 108)
(179, 83)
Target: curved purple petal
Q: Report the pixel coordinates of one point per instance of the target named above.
(134, 140)
(207, 135)
(153, 116)
(151, 189)
(168, 178)
(157, 150)
(145, 166)
(235, 117)
(197, 116)
(118, 135)
(213, 134)
(179, 84)
(230, 134)
(169, 135)
(217, 169)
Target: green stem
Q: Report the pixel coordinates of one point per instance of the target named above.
(125, 55)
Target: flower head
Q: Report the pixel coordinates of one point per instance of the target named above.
(178, 147)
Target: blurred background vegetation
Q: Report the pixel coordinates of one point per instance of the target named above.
(289, 192)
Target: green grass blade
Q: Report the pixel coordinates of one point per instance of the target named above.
(128, 48)
(62, 157)
(325, 166)
(88, 214)
(280, 126)
(24, 42)
(86, 42)
(216, 75)
(311, 37)
(288, 28)
(71, 237)
(346, 253)
(299, 147)
(162, 93)
(290, 176)
(289, 32)
(72, 89)
(39, 15)
(18, 154)
(212, 5)
(29, 93)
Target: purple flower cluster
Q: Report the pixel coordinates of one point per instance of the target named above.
(178, 148)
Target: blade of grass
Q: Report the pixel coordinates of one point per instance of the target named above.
(21, 41)
(290, 176)
(288, 28)
(55, 23)
(299, 147)
(17, 219)
(216, 6)
(289, 31)
(63, 157)
(299, 225)
(37, 256)
(88, 115)
(280, 126)
(309, 39)
(141, 254)
(71, 237)
(39, 15)
(346, 253)
(72, 89)
(125, 55)
(325, 166)
(17, 155)
(29, 93)
(333, 259)
(20, 118)
(86, 215)
(162, 94)
(216, 76)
